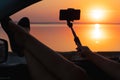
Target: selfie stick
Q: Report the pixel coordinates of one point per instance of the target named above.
(76, 39)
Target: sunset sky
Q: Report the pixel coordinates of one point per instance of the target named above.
(96, 36)
(48, 10)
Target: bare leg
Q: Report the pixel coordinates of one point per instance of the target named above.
(36, 69)
(53, 62)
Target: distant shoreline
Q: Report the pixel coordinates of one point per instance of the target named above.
(74, 23)
(64, 22)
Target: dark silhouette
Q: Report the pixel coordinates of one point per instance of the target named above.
(46, 64)
(43, 62)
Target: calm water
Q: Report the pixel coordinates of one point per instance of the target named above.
(98, 37)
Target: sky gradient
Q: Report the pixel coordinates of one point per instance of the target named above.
(48, 10)
(96, 36)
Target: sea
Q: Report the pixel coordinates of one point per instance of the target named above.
(58, 36)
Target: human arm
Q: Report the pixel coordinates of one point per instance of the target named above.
(111, 67)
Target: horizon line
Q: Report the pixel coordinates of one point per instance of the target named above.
(117, 23)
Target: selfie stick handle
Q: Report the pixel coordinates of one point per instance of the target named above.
(76, 39)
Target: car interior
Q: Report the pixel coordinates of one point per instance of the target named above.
(13, 67)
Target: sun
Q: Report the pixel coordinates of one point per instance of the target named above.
(97, 14)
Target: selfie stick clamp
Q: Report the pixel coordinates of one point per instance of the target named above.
(76, 39)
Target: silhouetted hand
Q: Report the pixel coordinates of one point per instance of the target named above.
(84, 51)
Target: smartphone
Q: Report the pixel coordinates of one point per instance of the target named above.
(70, 14)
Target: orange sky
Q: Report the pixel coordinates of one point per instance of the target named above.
(97, 37)
(48, 10)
